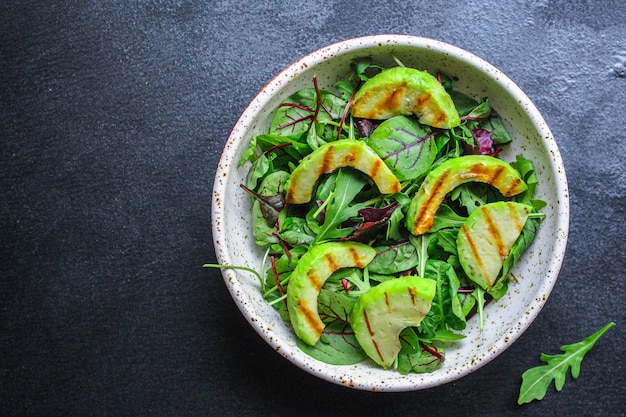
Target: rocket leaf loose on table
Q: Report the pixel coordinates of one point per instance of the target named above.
(535, 381)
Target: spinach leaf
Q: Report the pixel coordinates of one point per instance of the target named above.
(463, 103)
(260, 168)
(333, 306)
(295, 149)
(526, 168)
(481, 111)
(446, 307)
(499, 134)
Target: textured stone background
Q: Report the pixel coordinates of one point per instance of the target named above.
(112, 119)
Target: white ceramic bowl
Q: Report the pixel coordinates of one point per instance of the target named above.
(536, 272)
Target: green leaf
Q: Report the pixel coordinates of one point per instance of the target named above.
(349, 184)
(334, 306)
(481, 111)
(470, 196)
(526, 168)
(421, 244)
(394, 259)
(337, 346)
(294, 115)
(294, 149)
(407, 148)
(463, 103)
(426, 359)
(294, 231)
(250, 154)
(446, 307)
(499, 134)
(524, 240)
(260, 168)
(446, 218)
(535, 381)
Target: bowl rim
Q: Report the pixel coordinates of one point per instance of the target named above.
(259, 101)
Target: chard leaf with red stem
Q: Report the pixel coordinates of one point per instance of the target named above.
(406, 147)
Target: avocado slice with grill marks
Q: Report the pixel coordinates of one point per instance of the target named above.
(307, 279)
(384, 311)
(406, 91)
(452, 173)
(331, 156)
(486, 238)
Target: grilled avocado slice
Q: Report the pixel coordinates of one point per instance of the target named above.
(406, 91)
(331, 156)
(307, 279)
(380, 314)
(452, 173)
(485, 239)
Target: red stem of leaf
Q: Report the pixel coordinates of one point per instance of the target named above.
(432, 351)
(296, 105)
(471, 118)
(295, 121)
(345, 113)
(279, 146)
(277, 279)
(318, 103)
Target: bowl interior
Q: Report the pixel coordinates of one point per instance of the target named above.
(536, 272)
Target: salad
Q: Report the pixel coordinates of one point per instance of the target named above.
(386, 215)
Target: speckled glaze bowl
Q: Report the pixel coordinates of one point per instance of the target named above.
(536, 272)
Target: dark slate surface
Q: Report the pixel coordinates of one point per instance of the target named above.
(112, 120)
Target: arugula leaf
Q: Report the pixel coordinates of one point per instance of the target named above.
(535, 381)
(421, 243)
(348, 185)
